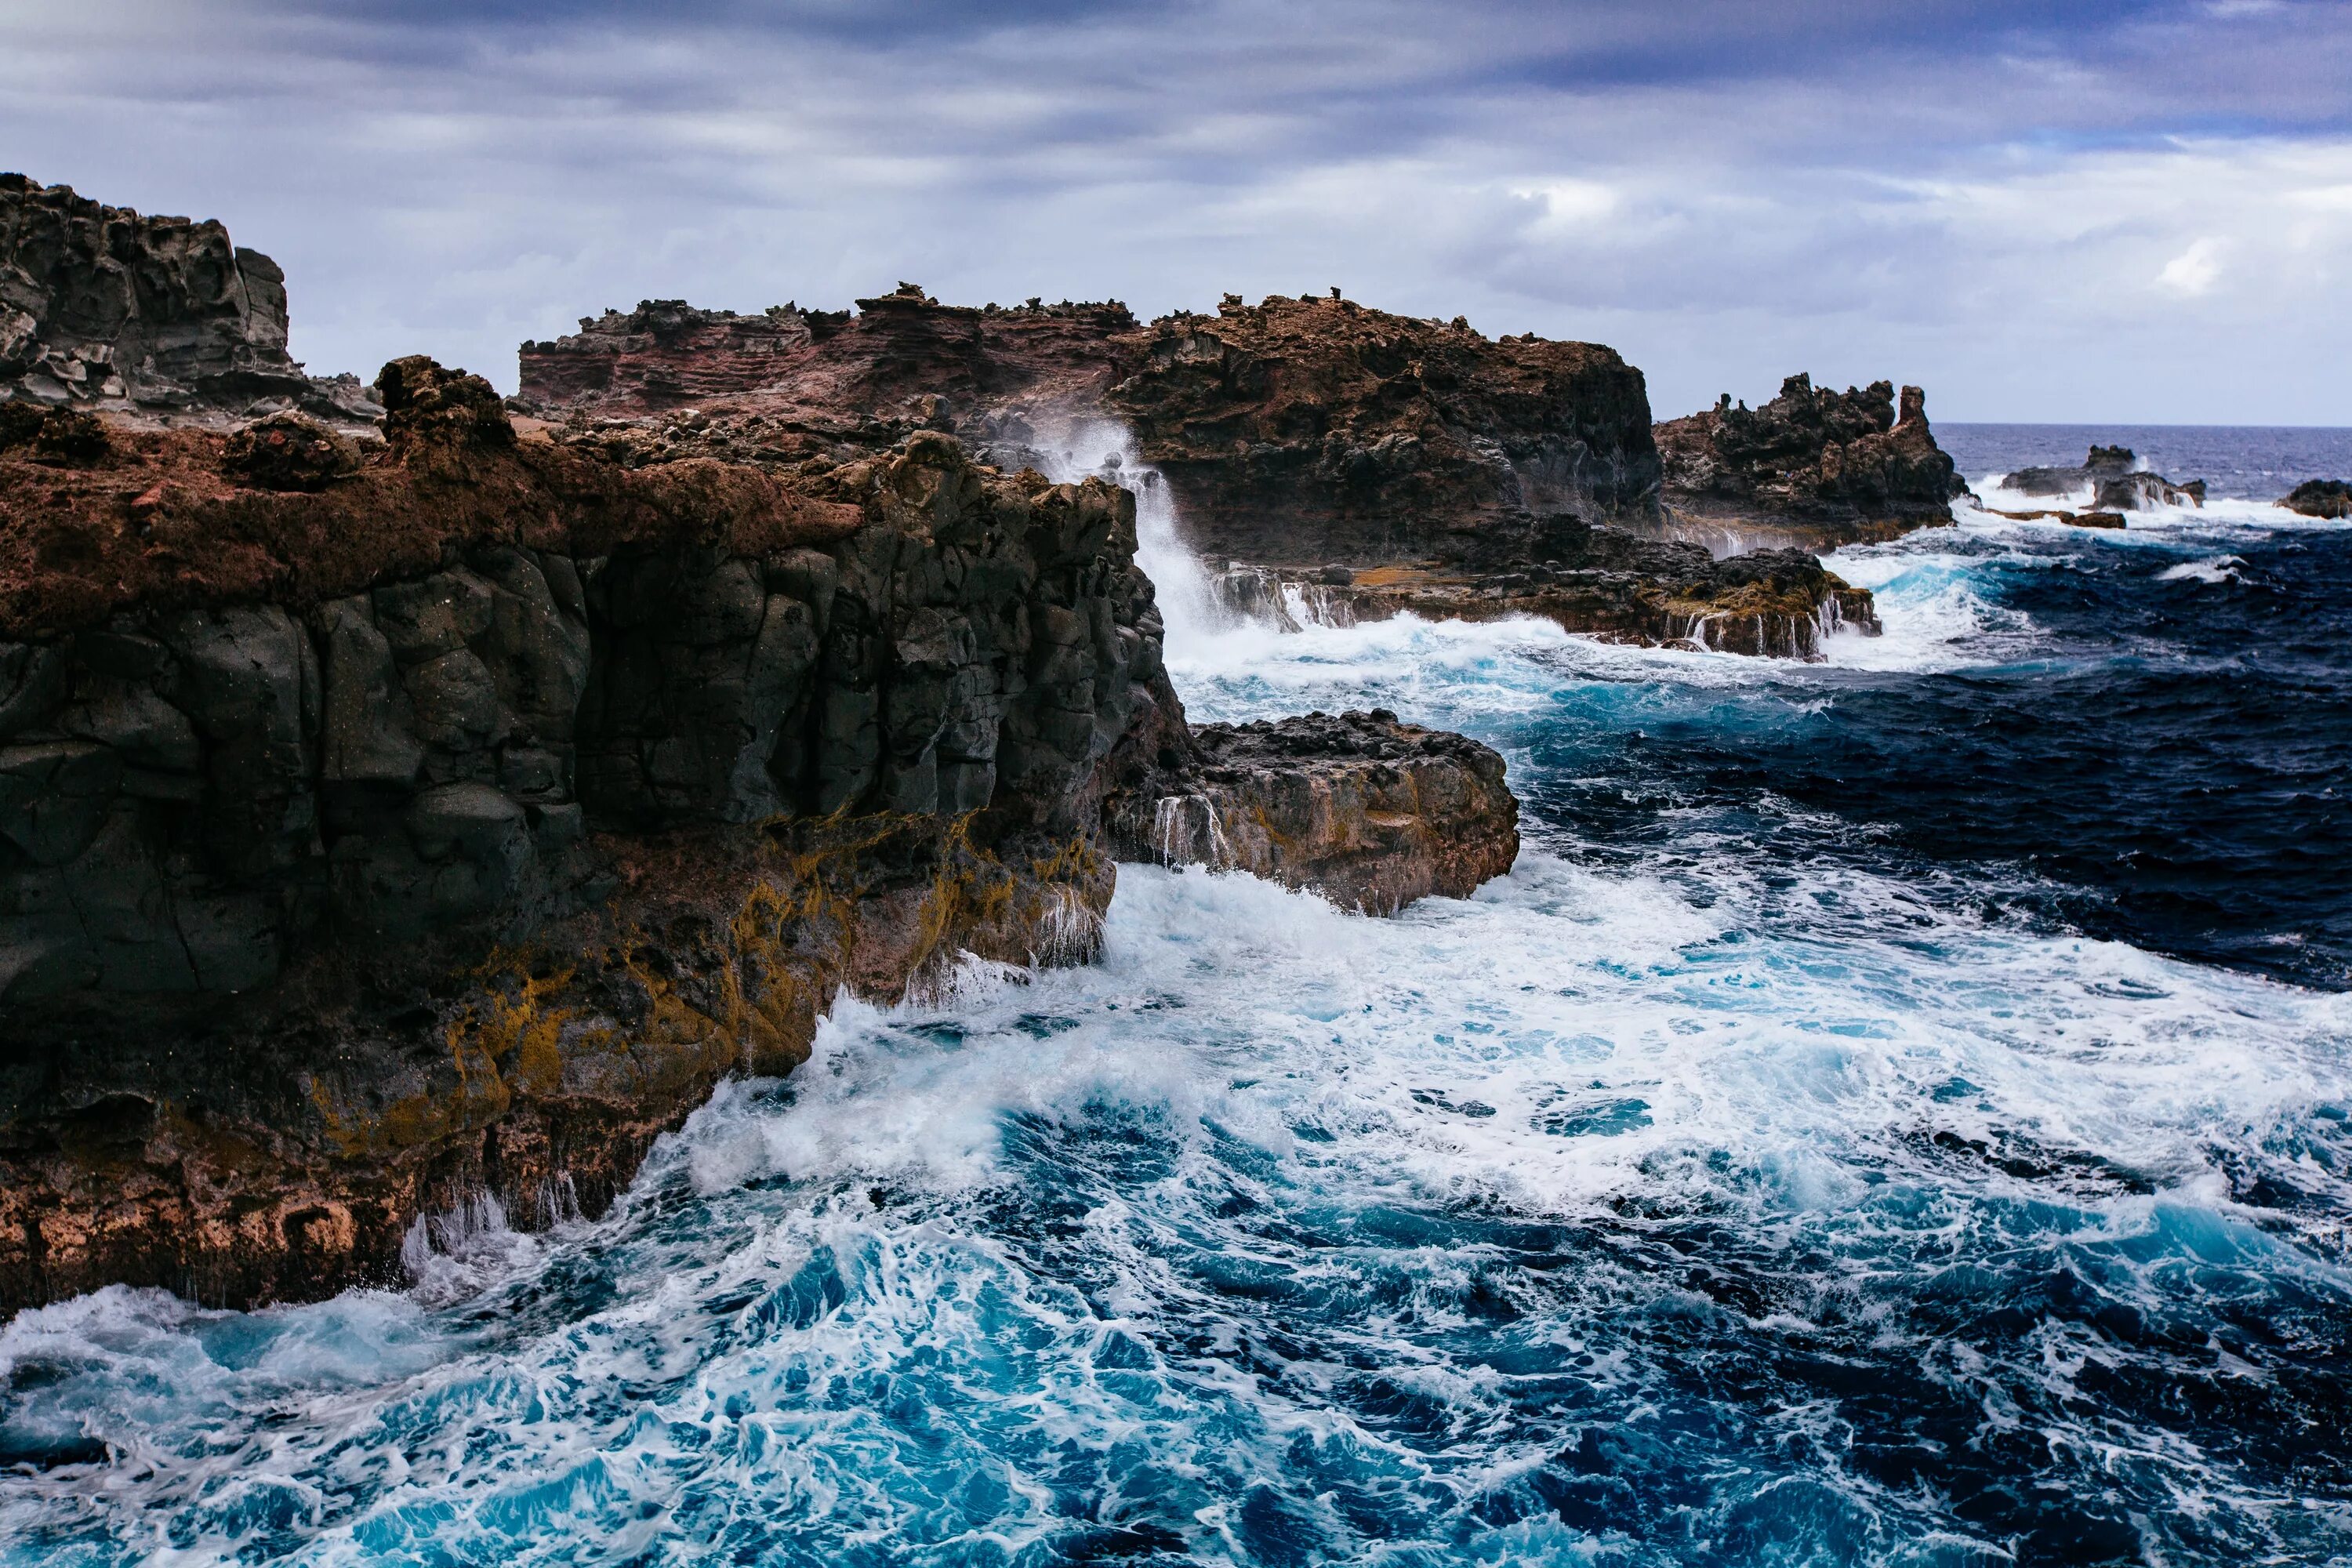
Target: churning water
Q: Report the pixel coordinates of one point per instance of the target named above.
(1898, 1112)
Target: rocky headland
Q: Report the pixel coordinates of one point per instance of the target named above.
(1308, 445)
(1811, 464)
(393, 819)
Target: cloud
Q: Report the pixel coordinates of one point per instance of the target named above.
(1978, 196)
(2194, 271)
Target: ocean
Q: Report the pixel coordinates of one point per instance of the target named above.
(1899, 1111)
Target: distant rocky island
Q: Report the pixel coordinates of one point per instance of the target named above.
(407, 793)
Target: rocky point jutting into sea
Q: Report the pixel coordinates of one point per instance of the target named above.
(389, 822)
(1325, 458)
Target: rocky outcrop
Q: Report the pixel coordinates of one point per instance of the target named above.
(1845, 465)
(1305, 430)
(1288, 431)
(1598, 581)
(1369, 811)
(2320, 498)
(450, 824)
(1455, 474)
(789, 379)
(2113, 480)
(160, 318)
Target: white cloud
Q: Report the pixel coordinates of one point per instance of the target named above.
(2194, 271)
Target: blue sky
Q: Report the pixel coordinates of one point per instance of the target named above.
(2112, 212)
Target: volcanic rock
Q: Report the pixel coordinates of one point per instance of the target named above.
(1307, 441)
(1586, 579)
(2112, 478)
(2320, 498)
(1371, 812)
(156, 317)
(1849, 464)
(454, 828)
(1288, 431)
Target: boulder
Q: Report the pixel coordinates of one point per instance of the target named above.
(1368, 811)
(2320, 498)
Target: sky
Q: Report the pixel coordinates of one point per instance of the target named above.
(2109, 212)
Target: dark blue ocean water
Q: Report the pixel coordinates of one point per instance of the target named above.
(1898, 1112)
(2242, 462)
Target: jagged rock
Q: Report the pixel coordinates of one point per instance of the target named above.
(1849, 462)
(1307, 441)
(1291, 431)
(423, 402)
(159, 317)
(288, 452)
(1372, 813)
(1309, 430)
(2320, 498)
(2115, 484)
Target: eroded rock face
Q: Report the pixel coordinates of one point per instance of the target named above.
(1848, 465)
(1306, 430)
(161, 317)
(1372, 812)
(1457, 475)
(454, 827)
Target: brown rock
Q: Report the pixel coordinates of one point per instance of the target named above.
(1847, 464)
(1370, 812)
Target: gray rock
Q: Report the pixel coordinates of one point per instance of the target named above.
(53, 796)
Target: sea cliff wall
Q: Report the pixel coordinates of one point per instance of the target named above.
(452, 829)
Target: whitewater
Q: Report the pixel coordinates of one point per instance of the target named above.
(1816, 1151)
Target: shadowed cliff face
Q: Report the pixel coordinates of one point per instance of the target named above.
(1841, 466)
(453, 827)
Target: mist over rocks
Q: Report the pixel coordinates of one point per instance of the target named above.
(159, 317)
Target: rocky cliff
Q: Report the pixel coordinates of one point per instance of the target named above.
(1437, 470)
(453, 827)
(160, 318)
(1287, 429)
(1841, 466)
